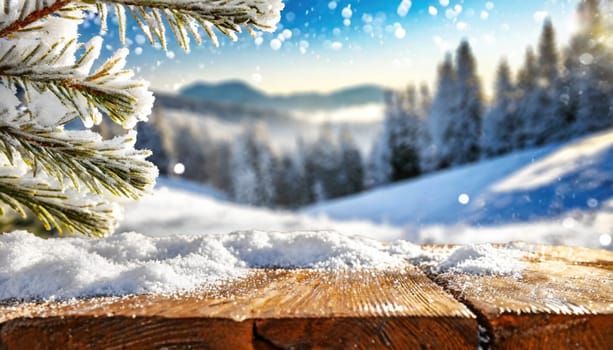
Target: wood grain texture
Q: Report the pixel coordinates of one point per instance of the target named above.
(398, 308)
(564, 300)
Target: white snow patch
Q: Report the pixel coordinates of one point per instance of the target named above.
(483, 260)
(47, 109)
(132, 263)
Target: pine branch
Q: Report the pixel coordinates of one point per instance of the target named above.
(16, 16)
(82, 157)
(185, 17)
(109, 89)
(56, 208)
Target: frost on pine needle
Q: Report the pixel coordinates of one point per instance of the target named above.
(68, 178)
(185, 17)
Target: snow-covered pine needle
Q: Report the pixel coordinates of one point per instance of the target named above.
(184, 17)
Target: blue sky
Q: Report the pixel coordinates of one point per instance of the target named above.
(325, 45)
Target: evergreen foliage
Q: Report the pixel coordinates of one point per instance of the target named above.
(352, 168)
(70, 179)
(555, 97)
(500, 123)
(401, 129)
(252, 165)
(463, 132)
(443, 108)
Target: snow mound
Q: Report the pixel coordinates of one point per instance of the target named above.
(132, 263)
(483, 260)
(319, 250)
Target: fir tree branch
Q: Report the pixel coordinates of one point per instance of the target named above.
(109, 89)
(185, 17)
(152, 16)
(27, 15)
(83, 158)
(57, 209)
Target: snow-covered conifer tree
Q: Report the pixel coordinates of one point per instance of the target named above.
(500, 122)
(378, 169)
(443, 107)
(528, 104)
(191, 146)
(252, 165)
(539, 93)
(589, 67)
(425, 101)
(424, 139)
(290, 184)
(352, 163)
(323, 166)
(548, 59)
(402, 126)
(463, 134)
(548, 124)
(69, 178)
(150, 137)
(455, 119)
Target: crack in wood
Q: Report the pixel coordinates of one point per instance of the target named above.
(2, 345)
(559, 302)
(484, 328)
(260, 342)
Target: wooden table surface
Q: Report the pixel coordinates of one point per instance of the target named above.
(564, 299)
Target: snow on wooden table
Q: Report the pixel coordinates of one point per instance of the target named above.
(563, 300)
(399, 308)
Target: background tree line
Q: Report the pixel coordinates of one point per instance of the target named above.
(556, 95)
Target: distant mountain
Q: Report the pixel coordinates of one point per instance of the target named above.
(221, 109)
(237, 92)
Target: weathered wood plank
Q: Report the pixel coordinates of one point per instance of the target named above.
(400, 308)
(563, 300)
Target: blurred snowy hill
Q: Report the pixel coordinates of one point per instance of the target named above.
(560, 194)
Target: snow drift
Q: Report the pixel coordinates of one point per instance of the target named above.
(132, 263)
